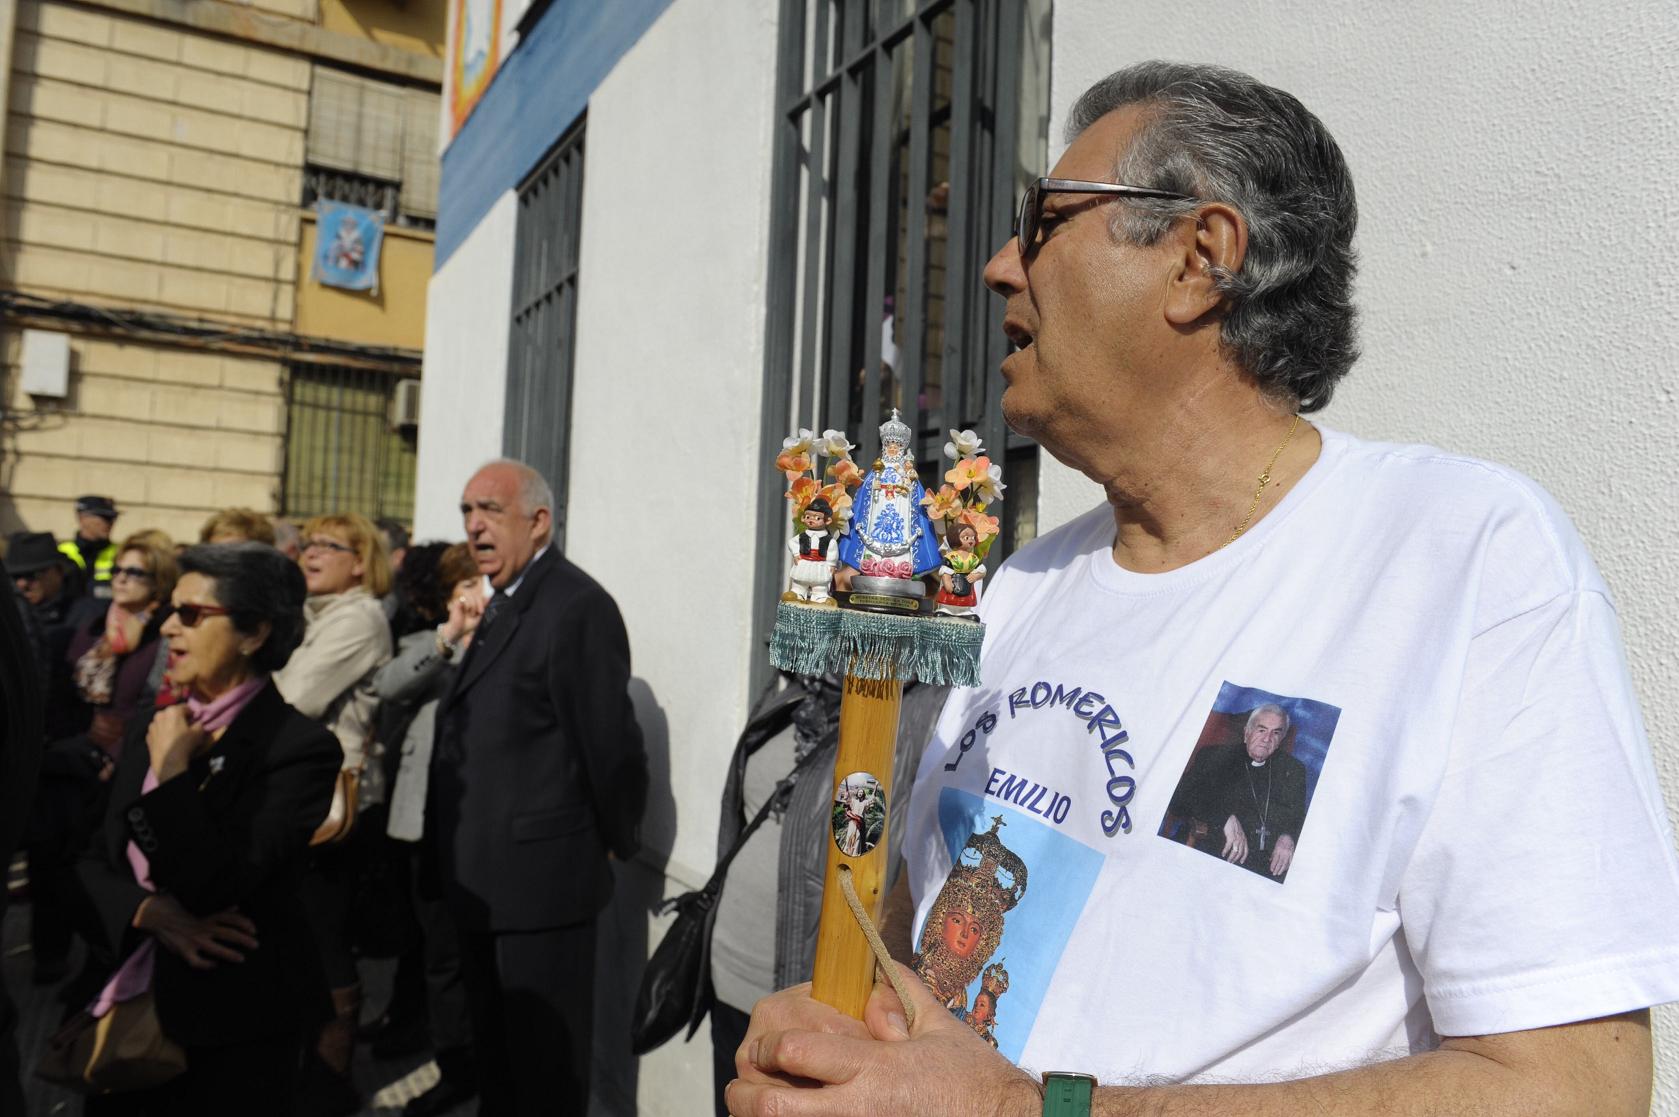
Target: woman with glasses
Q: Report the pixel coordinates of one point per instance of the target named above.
(194, 872)
(109, 658)
(445, 592)
(329, 678)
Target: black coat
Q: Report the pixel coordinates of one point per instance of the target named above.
(538, 769)
(233, 830)
(21, 700)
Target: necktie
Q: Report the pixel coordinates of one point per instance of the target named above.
(491, 609)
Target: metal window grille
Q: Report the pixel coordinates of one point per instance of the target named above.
(537, 426)
(342, 452)
(905, 129)
(320, 183)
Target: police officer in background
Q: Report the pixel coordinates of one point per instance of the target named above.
(93, 550)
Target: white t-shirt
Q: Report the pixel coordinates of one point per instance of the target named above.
(1483, 848)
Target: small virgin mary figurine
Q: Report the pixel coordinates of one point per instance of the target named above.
(891, 535)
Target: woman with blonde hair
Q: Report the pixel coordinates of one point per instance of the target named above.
(329, 678)
(110, 659)
(112, 656)
(237, 525)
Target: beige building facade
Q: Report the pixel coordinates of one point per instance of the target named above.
(159, 156)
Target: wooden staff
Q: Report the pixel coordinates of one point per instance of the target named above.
(868, 734)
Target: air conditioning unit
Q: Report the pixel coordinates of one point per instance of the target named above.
(405, 405)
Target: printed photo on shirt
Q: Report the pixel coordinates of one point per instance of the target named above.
(995, 933)
(1249, 782)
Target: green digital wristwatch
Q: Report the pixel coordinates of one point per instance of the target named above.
(1067, 1093)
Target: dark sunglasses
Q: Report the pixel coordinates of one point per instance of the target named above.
(138, 573)
(1031, 212)
(190, 614)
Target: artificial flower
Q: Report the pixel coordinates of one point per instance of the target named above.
(834, 445)
(962, 444)
(799, 443)
(946, 504)
(966, 472)
(837, 498)
(801, 492)
(984, 526)
(845, 472)
(794, 463)
(989, 488)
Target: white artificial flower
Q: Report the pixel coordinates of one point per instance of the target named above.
(799, 443)
(990, 487)
(834, 444)
(962, 444)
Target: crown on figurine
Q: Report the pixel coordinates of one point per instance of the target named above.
(895, 430)
(995, 980)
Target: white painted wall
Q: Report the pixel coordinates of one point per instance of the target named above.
(664, 461)
(1518, 284)
(464, 387)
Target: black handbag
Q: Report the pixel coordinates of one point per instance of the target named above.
(676, 985)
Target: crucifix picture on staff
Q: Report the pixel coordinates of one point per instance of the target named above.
(859, 814)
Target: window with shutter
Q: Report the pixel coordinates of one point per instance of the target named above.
(372, 144)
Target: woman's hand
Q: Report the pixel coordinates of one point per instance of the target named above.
(465, 611)
(201, 943)
(173, 741)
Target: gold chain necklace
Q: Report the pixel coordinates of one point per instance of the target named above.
(1264, 479)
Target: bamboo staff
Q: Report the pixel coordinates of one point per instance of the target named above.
(868, 732)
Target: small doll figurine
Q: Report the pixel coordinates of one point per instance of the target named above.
(813, 556)
(961, 573)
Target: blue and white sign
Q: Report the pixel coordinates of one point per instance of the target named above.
(347, 243)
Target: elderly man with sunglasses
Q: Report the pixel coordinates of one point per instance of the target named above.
(1473, 920)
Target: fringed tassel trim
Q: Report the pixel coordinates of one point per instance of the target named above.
(809, 640)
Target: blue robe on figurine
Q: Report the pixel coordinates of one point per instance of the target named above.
(891, 535)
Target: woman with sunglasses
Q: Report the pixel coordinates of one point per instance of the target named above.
(109, 659)
(194, 872)
(345, 566)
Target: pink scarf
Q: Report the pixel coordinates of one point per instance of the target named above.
(218, 713)
(134, 976)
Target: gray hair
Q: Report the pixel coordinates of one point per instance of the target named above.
(534, 490)
(1220, 135)
(1267, 708)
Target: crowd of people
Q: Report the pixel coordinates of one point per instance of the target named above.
(1416, 859)
(239, 796)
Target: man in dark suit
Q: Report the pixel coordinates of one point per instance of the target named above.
(538, 780)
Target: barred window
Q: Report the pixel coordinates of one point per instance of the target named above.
(905, 130)
(346, 448)
(372, 144)
(537, 424)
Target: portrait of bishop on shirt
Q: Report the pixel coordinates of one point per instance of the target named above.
(1249, 781)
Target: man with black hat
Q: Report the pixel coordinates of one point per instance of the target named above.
(42, 575)
(41, 572)
(93, 549)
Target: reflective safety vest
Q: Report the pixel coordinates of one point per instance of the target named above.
(103, 563)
